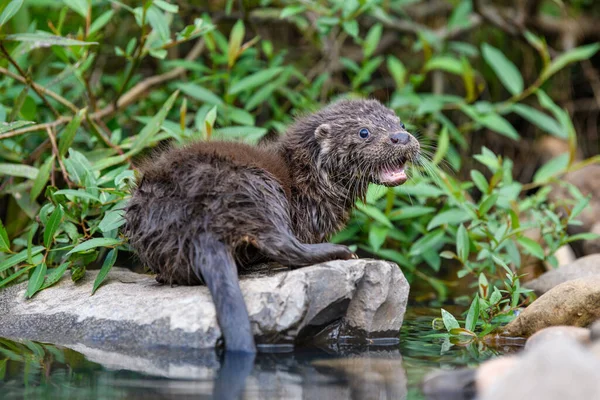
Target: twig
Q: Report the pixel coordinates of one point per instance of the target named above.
(42, 89)
(58, 157)
(134, 94)
(27, 79)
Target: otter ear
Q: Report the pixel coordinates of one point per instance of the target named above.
(322, 131)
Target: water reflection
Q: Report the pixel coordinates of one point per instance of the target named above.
(29, 369)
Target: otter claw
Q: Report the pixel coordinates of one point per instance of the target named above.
(353, 256)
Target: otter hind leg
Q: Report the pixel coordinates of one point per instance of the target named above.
(212, 262)
(286, 249)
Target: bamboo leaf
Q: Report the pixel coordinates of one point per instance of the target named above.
(9, 11)
(532, 247)
(257, 79)
(569, 57)
(235, 42)
(19, 258)
(52, 225)
(4, 241)
(506, 71)
(66, 139)
(45, 40)
(36, 280)
(55, 276)
(20, 170)
(108, 263)
(95, 242)
(42, 178)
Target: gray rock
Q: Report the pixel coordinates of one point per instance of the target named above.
(580, 268)
(595, 331)
(554, 369)
(582, 335)
(133, 311)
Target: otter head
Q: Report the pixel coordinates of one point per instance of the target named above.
(364, 140)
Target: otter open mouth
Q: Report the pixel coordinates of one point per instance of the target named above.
(393, 176)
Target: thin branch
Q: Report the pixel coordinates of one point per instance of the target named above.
(134, 94)
(58, 157)
(28, 79)
(42, 89)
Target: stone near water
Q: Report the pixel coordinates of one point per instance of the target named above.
(573, 303)
(581, 335)
(364, 298)
(556, 369)
(580, 268)
(492, 370)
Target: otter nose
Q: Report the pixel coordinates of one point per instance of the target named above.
(400, 137)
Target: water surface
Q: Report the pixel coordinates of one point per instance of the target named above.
(36, 370)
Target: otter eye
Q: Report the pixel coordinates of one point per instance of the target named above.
(364, 133)
(402, 125)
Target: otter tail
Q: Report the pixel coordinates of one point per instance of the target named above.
(213, 263)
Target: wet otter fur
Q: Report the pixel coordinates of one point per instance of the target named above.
(206, 211)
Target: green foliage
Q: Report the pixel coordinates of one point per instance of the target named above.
(91, 86)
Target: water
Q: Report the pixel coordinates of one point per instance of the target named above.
(35, 370)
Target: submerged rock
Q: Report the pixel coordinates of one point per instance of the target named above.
(580, 268)
(133, 311)
(573, 303)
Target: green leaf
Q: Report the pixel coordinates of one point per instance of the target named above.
(95, 242)
(552, 168)
(484, 286)
(541, 120)
(506, 71)
(235, 42)
(112, 220)
(374, 213)
(443, 143)
(480, 181)
(472, 315)
(461, 331)
(571, 56)
(9, 11)
(351, 28)
(257, 79)
(52, 225)
(45, 40)
(449, 217)
(377, 236)
(427, 242)
(291, 11)
(397, 70)
(449, 321)
(498, 124)
(410, 212)
(168, 7)
(532, 247)
(462, 243)
(199, 93)
(79, 194)
(55, 276)
(19, 258)
(4, 241)
(101, 21)
(42, 177)
(487, 203)
(11, 126)
(109, 261)
(495, 297)
(36, 280)
(32, 231)
(67, 136)
(445, 63)
(20, 170)
(152, 127)
(372, 40)
(79, 6)
(159, 24)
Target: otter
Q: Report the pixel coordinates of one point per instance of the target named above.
(204, 212)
